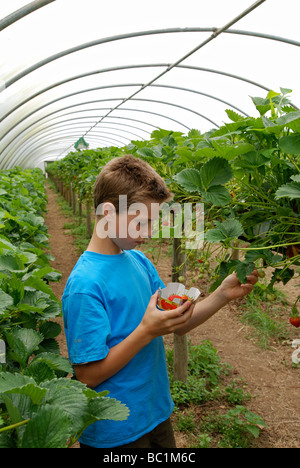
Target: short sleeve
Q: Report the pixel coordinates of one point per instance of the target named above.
(87, 328)
(156, 280)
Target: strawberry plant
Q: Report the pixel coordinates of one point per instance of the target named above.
(295, 317)
(39, 412)
(39, 406)
(248, 175)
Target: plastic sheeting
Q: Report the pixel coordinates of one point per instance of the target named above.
(112, 72)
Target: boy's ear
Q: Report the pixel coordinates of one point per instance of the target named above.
(108, 210)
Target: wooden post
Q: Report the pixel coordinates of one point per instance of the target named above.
(74, 202)
(70, 196)
(180, 342)
(88, 219)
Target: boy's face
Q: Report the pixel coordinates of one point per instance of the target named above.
(135, 225)
(131, 227)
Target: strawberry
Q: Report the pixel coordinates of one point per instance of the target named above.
(183, 298)
(167, 306)
(173, 296)
(294, 318)
(295, 321)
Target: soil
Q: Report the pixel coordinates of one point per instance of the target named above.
(271, 379)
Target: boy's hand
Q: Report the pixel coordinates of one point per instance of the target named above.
(231, 288)
(162, 322)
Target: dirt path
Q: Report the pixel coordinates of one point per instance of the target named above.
(272, 381)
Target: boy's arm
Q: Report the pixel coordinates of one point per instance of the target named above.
(158, 323)
(94, 373)
(230, 289)
(154, 323)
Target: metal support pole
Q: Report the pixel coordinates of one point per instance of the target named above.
(24, 11)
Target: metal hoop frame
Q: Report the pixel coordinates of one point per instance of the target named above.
(40, 128)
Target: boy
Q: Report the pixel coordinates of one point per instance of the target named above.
(113, 328)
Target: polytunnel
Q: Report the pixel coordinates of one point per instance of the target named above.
(112, 72)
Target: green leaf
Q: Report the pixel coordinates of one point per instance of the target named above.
(13, 408)
(286, 90)
(53, 310)
(290, 144)
(229, 229)
(160, 134)
(50, 329)
(55, 362)
(39, 371)
(231, 151)
(71, 401)
(53, 276)
(5, 301)
(185, 154)
(261, 104)
(217, 195)
(38, 273)
(9, 381)
(284, 275)
(216, 171)
(243, 269)
(10, 261)
(290, 190)
(145, 152)
(252, 160)
(204, 152)
(288, 118)
(254, 430)
(33, 220)
(40, 285)
(49, 345)
(215, 236)
(33, 391)
(267, 255)
(30, 339)
(101, 408)
(234, 116)
(49, 428)
(5, 244)
(22, 343)
(271, 94)
(15, 288)
(189, 179)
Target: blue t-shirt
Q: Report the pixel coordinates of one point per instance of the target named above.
(105, 299)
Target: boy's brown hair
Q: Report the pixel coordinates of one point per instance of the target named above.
(131, 176)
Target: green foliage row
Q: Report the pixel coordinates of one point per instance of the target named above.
(39, 406)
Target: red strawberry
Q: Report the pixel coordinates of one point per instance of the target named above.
(173, 296)
(295, 321)
(166, 306)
